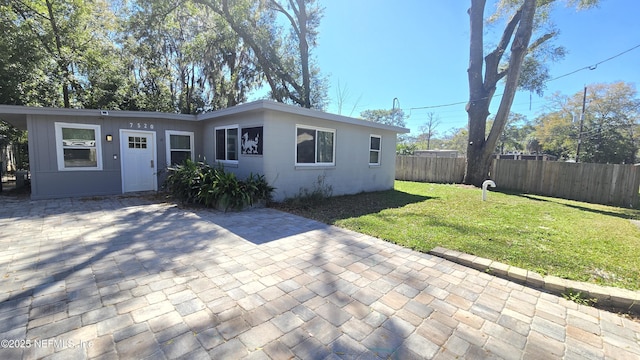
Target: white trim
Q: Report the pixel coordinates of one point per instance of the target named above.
(371, 149)
(259, 105)
(167, 139)
(154, 152)
(98, 114)
(18, 113)
(315, 152)
(215, 143)
(60, 147)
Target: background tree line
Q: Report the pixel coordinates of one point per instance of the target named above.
(191, 56)
(158, 55)
(610, 133)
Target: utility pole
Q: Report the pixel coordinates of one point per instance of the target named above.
(584, 101)
(393, 109)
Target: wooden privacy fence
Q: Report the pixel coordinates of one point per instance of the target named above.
(594, 183)
(430, 169)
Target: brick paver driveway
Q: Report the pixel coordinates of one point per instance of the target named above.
(127, 277)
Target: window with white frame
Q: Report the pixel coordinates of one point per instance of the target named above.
(78, 146)
(179, 146)
(315, 146)
(375, 143)
(227, 143)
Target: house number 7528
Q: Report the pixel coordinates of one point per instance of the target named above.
(140, 126)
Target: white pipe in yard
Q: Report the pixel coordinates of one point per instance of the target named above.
(486, 184)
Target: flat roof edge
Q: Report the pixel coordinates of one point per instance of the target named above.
(259, 105)
(296, 110)
(30, 110)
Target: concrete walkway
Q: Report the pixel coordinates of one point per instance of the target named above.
(128, 277)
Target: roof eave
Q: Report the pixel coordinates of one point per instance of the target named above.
(19, 114)
(28, 110)
(295, 110)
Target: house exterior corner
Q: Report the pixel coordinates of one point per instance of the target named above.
(84, 152)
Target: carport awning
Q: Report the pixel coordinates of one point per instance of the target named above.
(17, 120)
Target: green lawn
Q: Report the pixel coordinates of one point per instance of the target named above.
(570, 239)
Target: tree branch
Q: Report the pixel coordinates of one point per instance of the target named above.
(282, 10)
(279, 78)
(35, 32)
(540, 40)
(34, 11)
(519, 49)
(265, 64)
(492, 61)
(476, 13)
(502, 74)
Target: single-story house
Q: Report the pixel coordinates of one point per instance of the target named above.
(83, 152)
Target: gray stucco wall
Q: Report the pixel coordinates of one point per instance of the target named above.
(246, 163)
(351, 173)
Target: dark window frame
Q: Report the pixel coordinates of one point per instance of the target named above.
(231, 156)
(372, 150)
(315, 147)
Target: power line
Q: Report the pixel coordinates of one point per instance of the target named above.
(595, 66)
(589, 67)
(437, 106)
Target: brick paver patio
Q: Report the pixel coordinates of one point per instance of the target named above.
(127, 277)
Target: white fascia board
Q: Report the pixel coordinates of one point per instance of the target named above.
(296, 110)
(27, 110)
(260, 105)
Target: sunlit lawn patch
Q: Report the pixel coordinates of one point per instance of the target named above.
(570, 239)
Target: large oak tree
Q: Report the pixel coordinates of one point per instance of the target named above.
(514, 55)
(283, 53)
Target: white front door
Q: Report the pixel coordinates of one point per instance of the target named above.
(138, 158)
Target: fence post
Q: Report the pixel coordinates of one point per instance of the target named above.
(635, 181)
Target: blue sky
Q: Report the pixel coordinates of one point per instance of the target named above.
(417, 51)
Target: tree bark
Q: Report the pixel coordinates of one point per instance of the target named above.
(304, 53)
(62, 62)
(299, 26)
(267, 66)
(478, 106)
(283, 85)
(481, 147)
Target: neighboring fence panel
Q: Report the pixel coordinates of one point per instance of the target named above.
(594, 183)
(430, 169)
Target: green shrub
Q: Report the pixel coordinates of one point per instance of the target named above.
(223, 190)
(258, 188)
(197, 182)
(184, 180)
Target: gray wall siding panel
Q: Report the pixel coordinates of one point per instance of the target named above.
(76, 184)
(351, 173)
(48, 182)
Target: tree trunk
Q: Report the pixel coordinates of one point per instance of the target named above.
(481, 90)
(478, 169)
(478, 164)
(304, 53)
(62, 63)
